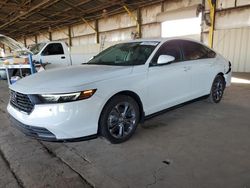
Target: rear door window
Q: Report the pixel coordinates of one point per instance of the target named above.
(193, 51)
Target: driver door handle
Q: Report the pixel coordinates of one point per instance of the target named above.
(62, 57)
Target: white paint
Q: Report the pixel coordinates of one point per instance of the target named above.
(80, 118)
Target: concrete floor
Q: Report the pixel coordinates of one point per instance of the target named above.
(198, 145)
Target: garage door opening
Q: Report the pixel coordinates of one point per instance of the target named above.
(188, 27)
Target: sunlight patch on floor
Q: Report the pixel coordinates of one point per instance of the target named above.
(240, 80)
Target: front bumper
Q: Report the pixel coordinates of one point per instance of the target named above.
(44, 134)
(35, 132)
(228, 78)
(56, 122)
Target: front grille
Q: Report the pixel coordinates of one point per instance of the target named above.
(21, 102)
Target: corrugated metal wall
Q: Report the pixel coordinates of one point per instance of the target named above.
(232, 32)
(232, 35)
(234, 44)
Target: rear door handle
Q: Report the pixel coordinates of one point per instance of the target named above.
(62, 57)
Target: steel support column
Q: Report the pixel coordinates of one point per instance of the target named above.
(212, 6)
(136, 19)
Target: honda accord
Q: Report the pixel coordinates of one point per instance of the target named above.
(117, 89)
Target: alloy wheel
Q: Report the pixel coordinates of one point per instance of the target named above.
(121, 120)
(218, 90)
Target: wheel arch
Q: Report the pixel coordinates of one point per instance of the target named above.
(221, 74)
(132, 94)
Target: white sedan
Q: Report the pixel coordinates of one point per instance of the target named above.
(117, 89)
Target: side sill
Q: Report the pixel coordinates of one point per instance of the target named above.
(175, 107)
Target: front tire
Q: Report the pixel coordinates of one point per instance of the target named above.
(119, 119)
(217, 89)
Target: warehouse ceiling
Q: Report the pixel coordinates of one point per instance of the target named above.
(24, 17)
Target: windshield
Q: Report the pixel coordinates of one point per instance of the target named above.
(135, 53)
(36, 48)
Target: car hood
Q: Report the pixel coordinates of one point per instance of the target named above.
(68, 79)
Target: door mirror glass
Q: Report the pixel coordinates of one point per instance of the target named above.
(163, 59)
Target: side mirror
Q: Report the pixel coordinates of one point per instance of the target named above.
(163, 59)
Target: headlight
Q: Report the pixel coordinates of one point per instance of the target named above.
(67, 97)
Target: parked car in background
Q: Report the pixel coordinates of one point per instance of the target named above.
(117, 89)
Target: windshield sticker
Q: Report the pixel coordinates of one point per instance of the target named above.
(150, 43)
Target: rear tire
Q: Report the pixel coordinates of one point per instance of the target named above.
(119, 119)
(217, 89)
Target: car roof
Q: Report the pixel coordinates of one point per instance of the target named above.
(161, 40)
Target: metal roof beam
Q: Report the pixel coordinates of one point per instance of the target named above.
(42, 5)
(55, 14)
